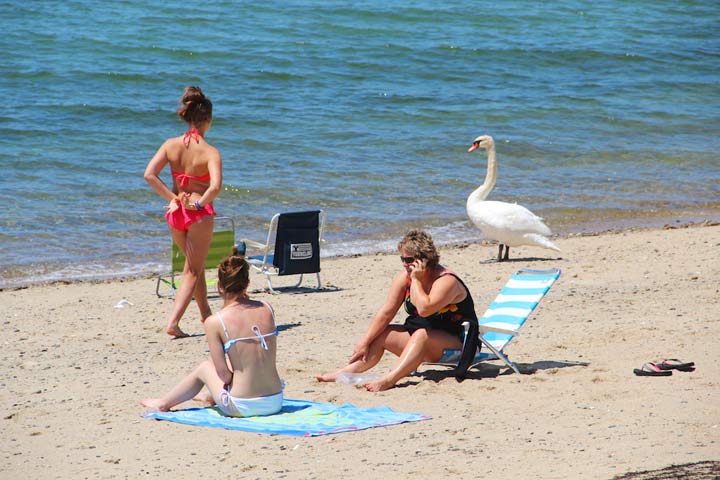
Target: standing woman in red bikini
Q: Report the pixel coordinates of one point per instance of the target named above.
(196, 168)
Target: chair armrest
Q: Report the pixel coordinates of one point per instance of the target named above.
(489, 328)
(254, 244)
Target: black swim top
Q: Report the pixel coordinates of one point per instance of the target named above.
(453, 313)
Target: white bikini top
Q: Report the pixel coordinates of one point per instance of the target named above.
(255, 330)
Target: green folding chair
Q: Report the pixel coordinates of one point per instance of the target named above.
(221, 246)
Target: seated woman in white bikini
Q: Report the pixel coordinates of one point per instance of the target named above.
(240, 376)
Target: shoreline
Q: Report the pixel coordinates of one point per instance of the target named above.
(678, 223)
(625, 298)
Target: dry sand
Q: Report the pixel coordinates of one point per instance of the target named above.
(74, 367)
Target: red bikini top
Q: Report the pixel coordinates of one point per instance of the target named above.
(191, 134)
(184, 178)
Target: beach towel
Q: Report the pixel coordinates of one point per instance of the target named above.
(298, 417)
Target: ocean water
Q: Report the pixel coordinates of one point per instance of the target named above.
(605, 114)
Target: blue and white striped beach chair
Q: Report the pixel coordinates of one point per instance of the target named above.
(507, 314)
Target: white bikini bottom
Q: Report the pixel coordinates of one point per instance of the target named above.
(250, 407)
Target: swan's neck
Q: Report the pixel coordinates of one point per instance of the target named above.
(483, 190)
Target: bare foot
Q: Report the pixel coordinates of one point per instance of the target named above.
(326, 377)
(205, 398)
(174, 331)
(154, 404)
(379, 385)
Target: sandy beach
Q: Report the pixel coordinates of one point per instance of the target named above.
(74, 368)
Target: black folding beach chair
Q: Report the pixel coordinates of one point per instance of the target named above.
(292, 247)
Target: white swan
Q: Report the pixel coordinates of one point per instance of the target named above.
(510, 224)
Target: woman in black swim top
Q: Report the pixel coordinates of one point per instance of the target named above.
(437, 302)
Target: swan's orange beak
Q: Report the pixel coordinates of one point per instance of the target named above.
(474, 146)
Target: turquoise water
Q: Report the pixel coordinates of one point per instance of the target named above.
(603, 115)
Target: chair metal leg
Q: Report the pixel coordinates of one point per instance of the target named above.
(500, 356)
(297, 285)
(171, 285)
(267, 277)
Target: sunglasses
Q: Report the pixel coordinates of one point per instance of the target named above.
(407, 259)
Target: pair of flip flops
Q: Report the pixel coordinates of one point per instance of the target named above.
(664, 368)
